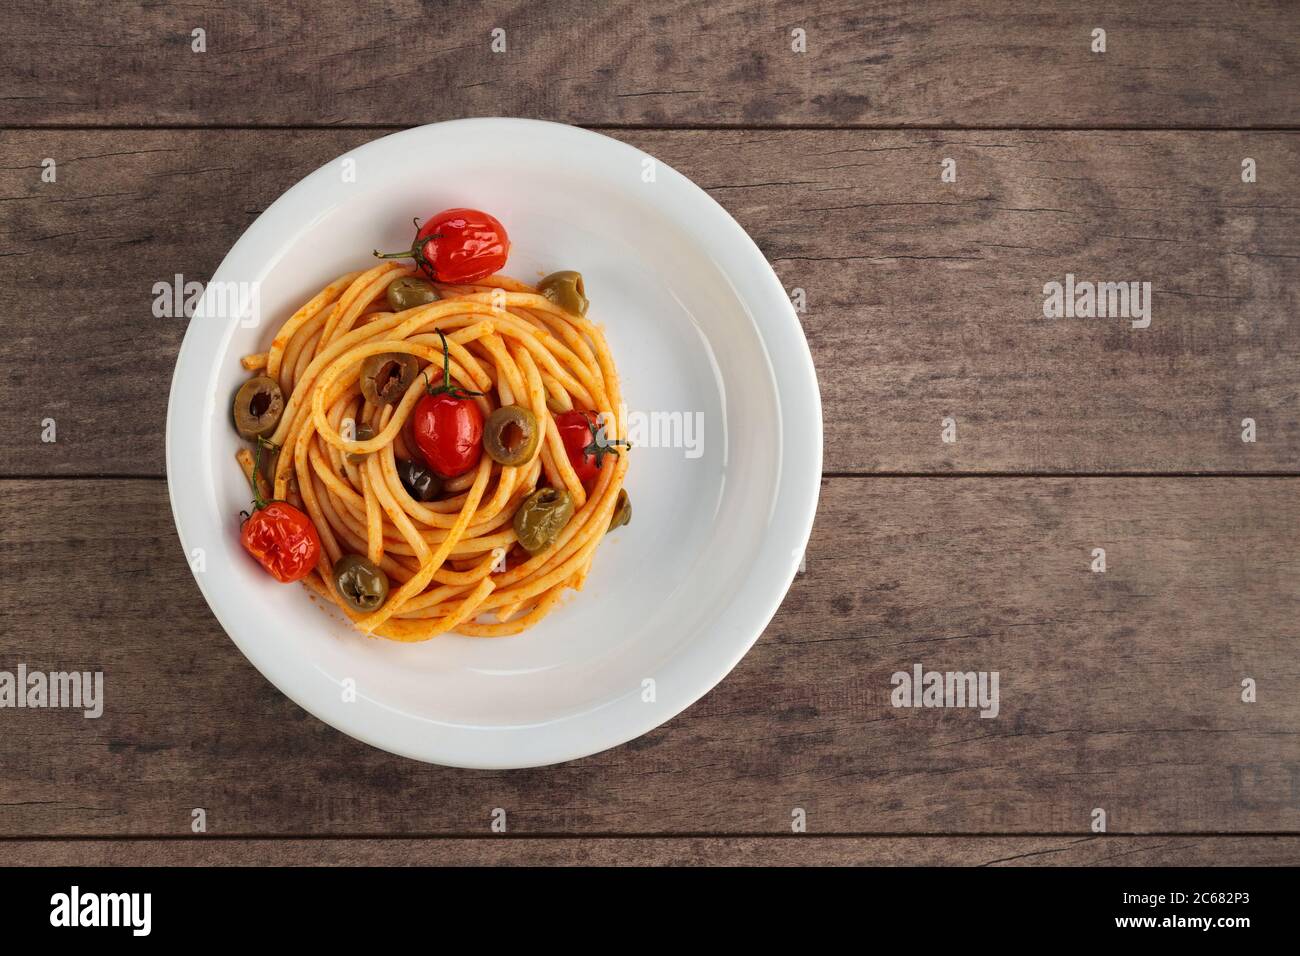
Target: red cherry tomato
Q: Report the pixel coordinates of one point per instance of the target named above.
(283, 539)
(585, 442)
(576, 432)
(448, 430)
(447, 426)
(458, 246)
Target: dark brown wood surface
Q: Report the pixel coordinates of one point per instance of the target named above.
(670, 63)
(923, 300)
(806, 850)
(1120, 690)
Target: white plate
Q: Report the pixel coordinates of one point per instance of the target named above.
(698, 324)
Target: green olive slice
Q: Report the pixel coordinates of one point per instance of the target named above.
(566, 290)
(361, 584)
(511, 435)
(622, 511)
(386, 377)
(257, 407)
(541, 518)
(409, 292)
(363, 433)
(420, 483)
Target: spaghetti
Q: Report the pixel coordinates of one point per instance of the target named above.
(455, 562)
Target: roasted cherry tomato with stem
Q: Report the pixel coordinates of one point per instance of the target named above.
(457, 246)
(447, 424)
(278, 535)
(584, 440)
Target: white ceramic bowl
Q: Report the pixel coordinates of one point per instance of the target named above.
(698, 324)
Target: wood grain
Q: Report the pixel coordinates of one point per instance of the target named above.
(671, 63)
(1119, 690)
(924, 299)
(1196, 851)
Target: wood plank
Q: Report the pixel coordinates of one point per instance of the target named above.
(1198, 851)
(924, 299)
(676, 62)
(1119, 690)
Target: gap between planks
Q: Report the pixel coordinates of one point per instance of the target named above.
(652, 128)
(673, 835)
(832, 475)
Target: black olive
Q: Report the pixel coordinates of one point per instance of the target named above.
(420, 483)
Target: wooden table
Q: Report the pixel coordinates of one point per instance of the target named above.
(1120, 690)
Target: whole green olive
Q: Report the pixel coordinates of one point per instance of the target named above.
(566, 290)
(420, 483)
(410, 291)
(363, 433)
(622, 511)
(257, 407)
(386, 377)
(361, 583)
(542, 517)
(511, 435)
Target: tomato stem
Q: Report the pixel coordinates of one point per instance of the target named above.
(416, 252)
(600, 445)
(446, 388)
(258, 501)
